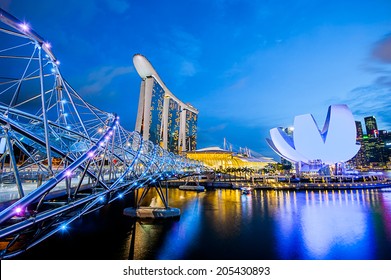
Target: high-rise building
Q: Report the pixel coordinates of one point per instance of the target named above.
(371, 126)
(162, 118)
(359, 159)
(375, 151)
(359, 130)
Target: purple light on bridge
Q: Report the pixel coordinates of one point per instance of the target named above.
(68, 173)
(25, 26)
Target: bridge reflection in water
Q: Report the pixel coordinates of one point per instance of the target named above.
(225, 224)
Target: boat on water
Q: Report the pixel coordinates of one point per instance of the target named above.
(197, 188)
(246, 190)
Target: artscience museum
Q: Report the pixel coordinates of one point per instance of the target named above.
(307, 144)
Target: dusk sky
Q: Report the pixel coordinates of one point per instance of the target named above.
(248, 66)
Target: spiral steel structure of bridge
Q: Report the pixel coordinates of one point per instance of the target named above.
(60, 157)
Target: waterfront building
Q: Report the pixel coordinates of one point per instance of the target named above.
(310, 146)
(163, 118)
(220, 159)
(286, 164)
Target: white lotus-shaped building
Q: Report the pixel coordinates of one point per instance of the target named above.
(335, 143)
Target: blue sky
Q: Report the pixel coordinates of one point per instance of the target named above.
(248, 66)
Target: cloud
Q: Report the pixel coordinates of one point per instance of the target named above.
(234, 70)
(187, 49)
(185, 43)
(375, 98)
(239, 85)
(215, 128)
(372, 100)
(384, 81)
(382, 50)
(188, 68)
(102, 77)
(183, 49)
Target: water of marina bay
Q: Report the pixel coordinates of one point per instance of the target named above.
(226, 224)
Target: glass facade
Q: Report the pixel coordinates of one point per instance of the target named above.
(359, 130)
(375, 151)
(173, 126)
(161, 117)
(191, 131)
(371, 126)
(156, 114)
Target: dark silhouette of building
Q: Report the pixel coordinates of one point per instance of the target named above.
(359, 130)
(371, 126)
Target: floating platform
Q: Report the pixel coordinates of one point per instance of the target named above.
(152, 212)
(192, 188)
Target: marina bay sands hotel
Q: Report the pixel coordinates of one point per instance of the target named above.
(162, 117)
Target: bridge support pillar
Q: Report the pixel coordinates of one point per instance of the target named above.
(152, 211)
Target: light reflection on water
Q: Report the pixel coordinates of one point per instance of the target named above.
(334, 224)
(328, 223)
(180, 237)
(224, 224)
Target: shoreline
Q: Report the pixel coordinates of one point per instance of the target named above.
(292, 186)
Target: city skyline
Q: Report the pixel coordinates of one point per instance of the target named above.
(246, 66)
(72, 175)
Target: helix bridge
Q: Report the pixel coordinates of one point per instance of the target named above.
(61, 157)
